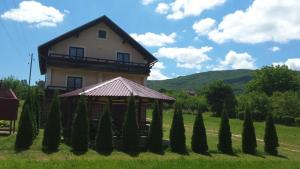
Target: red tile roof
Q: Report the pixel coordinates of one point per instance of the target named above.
(119, 87)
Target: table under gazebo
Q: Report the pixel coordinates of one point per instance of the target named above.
(117, 90)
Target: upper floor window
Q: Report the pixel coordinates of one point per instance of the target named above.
(76, 52)
(102, 34)
(74, 82)
(123, 57)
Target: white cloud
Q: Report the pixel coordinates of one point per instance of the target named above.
(156, 73)
(35, 13)
(180, 9)
(234, 60)
(274, 49)
(264, 20)
(147, 2)
(189, 57)
(152, 39)
(293, 63)
(204, 26)
(162, 8)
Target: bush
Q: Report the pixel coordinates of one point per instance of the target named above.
(287, 120)
(225, 143)
(104, 137)
(241, 115)
(177, 136)
(259, 116)
(270, 138)
(130, 128)
(52, 133)
(248, 135)
(199, 141)
(297, 122)
(155, 138)
(80, 128)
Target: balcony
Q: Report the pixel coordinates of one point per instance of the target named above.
(97, 64)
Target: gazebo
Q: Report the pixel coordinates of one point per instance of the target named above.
(117, 90)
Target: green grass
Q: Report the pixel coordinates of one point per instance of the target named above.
(289, 138)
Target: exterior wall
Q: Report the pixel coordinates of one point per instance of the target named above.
(96, 47)
(59, 76)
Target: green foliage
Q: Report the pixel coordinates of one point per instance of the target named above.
(297, 122)
(225, 143)
(80, 128)
(287, 120)
(20, 87)
(25, 134)
(177, 132)
(104, 137)
(270, 138)
(219, 94)
(248, 135)
(199, 140)
(286, 104)
(272, 79)
(37, 109)
(130, 142)
(52, 133)
(155, 138)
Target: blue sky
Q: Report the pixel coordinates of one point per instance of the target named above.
(187, 36)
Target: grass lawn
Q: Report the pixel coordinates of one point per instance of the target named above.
(289, 138)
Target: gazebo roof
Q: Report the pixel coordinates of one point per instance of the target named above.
(118, 87)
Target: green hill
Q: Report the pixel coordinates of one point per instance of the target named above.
(236, 78)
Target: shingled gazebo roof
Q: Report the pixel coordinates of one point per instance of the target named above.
(119, 87)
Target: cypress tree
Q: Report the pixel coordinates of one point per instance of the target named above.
(248, 135)
(52, 132)
(199, 140)
(38, 109)
(225, 143)
(130, 142)
(104, 137)
(32, 108)
(80, 128)
(270, 138)
(177, 136)
(25, 135)
(155, 137)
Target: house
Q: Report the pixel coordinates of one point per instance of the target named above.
(93, 53)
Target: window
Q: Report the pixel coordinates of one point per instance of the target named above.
(74, 82)
(123, 57)
(102, 34)
(76, 52)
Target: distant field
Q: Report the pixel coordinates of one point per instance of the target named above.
(289, 151)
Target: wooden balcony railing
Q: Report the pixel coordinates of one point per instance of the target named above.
(63, 60)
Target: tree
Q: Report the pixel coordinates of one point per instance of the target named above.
(25, 135)
(225, 143)
(285, 104)
(80, 128)
(177, 132)
(270, 138)
(130, 128)
(52, 133)
(155, 138)
(248, 135)
(199, 141)
(104, 137)
(38, 110)
(270, 79)
(217, 95)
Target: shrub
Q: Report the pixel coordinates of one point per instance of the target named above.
(52, 133)
(287, 120)
(25, 134)
(241, 115)
(199, 141)
(80, 128)
(177, 136)
(248, 135)
(225, 143)
(155, 138)
(104, 137)
(297, 122)
(270, 138)
(130, 128)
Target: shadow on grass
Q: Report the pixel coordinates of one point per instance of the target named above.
(105, 153)
(132, 154)
(49, 151)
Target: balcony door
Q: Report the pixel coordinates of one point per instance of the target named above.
(76, 52)
(123, 57)
(74, 82)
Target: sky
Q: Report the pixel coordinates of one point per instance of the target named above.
(187, 36)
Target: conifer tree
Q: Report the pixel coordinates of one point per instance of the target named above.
(80, 128)
(270, 138)
(199, 140)
(52, 133)
(130, 142)
(104, 137)
(225, 143)
(32, 108)
(155, 138)
(177, 132)
(38, 110)
(248, 135)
